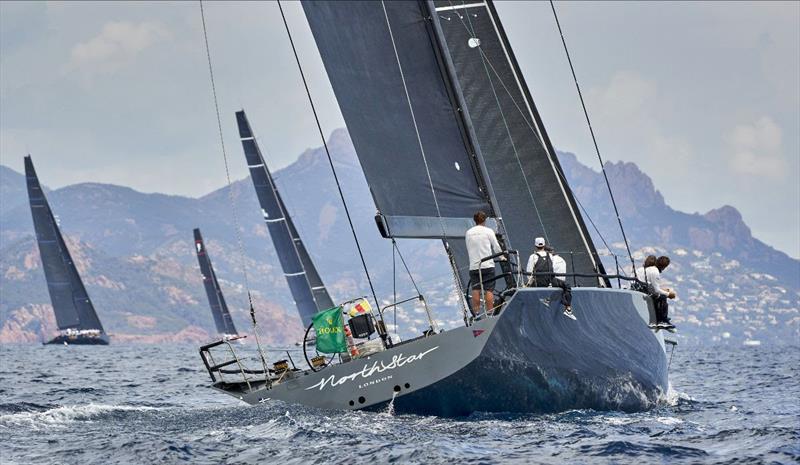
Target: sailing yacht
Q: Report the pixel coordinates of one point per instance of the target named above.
(219, 309)
(444, 125)
(75, 315)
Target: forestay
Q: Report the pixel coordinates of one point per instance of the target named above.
(219, 309)
(307, 288)
(71, 303)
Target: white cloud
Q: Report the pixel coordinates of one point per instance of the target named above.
(625, 97)
(117, 44)
(629, 112)
(757, 149)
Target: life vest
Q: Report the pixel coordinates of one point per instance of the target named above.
(544, 264)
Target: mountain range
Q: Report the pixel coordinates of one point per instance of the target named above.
(135, 253)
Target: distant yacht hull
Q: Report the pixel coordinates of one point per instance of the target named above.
(63, 339)
(530, 358)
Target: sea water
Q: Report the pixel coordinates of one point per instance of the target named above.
(129, 404)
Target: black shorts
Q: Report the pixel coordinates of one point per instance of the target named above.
(475, 279)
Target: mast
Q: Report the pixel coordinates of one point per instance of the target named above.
(219, 308)
(309, 293)
(71, 303)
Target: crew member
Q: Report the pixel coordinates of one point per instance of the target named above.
(544, 266)
(662, 263)
(651, 274)
(540, 261)
(481, 243)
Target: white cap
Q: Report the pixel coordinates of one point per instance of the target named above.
(539, 242)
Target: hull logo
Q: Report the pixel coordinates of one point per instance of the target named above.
(477, 332)
(368, 370)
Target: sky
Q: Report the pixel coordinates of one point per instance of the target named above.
(703, 96)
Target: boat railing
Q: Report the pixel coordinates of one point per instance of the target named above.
(507, 265)
(217, 370)
(585, 275)
(252, 378)
(619, 275)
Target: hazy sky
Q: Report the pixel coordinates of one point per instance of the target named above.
(705, 97)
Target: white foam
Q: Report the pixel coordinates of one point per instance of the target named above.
(669, 420)
(620, 421)
(64, 415)
(672, 397)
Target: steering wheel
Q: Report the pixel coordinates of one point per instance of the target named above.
(307, 342)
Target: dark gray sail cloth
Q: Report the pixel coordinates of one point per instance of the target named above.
(356, 46)
(520, 165)
(309, 293)
(71, 303)
(219, 309)
(525, 175)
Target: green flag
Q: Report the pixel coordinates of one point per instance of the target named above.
(330, 331)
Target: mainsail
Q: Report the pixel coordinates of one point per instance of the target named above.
(219, 309)
(309, 293)
(438, 87)
(71, 303)
(405, 129)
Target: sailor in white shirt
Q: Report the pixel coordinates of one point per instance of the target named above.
(549, 262)
(481, 242)
(650, 273)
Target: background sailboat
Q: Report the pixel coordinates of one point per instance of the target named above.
(75, 315)
(219, 308)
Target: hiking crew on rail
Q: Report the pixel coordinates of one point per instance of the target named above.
(650, 273)
(546, 268)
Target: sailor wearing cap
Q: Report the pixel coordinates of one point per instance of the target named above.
(543, 265)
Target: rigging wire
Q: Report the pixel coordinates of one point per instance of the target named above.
(431, 319)
(425, 162)
(536, 133)
(594, 139)
(414, 121)
(394, 285)
(330, 158)
(230, 188)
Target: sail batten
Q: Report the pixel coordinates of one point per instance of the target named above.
(216, 300)
(306, 286)
(71, 304)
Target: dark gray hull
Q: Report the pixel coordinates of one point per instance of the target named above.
(102, 340)
(530, 358)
